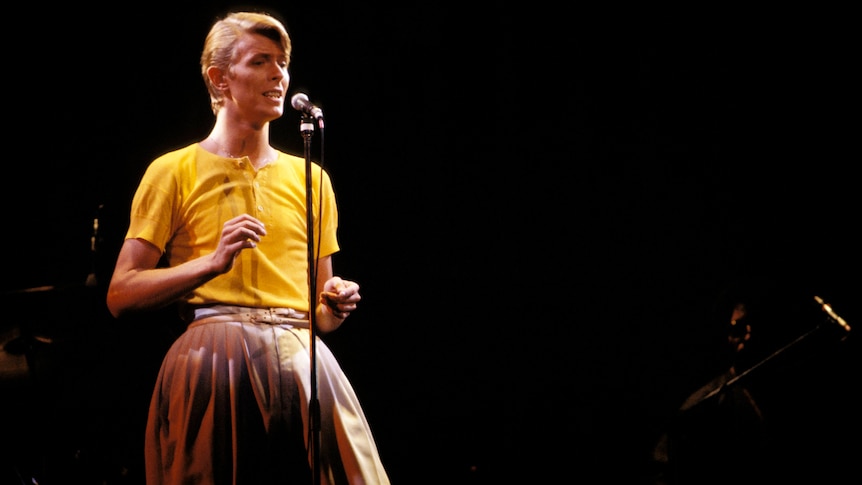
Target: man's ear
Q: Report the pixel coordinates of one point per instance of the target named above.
(217, 77)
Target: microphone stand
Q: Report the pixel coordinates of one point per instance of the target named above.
(306, 127)
(725, 382)
(831, 317)
(730, 382)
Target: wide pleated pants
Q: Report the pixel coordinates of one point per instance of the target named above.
(230, 407)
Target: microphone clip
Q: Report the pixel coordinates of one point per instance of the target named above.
(300, 102)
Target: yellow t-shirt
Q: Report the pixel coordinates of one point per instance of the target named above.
(185, 197)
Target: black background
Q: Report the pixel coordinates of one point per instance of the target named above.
(546, 209)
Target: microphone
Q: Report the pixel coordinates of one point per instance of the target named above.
(828, 310)
(300, 102)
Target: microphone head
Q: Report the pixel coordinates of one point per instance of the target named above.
(299, 101)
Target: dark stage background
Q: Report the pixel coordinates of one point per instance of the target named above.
(547, 210)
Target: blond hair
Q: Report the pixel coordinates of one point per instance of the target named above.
(222, 38)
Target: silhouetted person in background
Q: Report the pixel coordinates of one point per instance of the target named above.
(718, 433)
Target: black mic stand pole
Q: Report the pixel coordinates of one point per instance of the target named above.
(306, 126)
(751, 369)
(733, 380)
